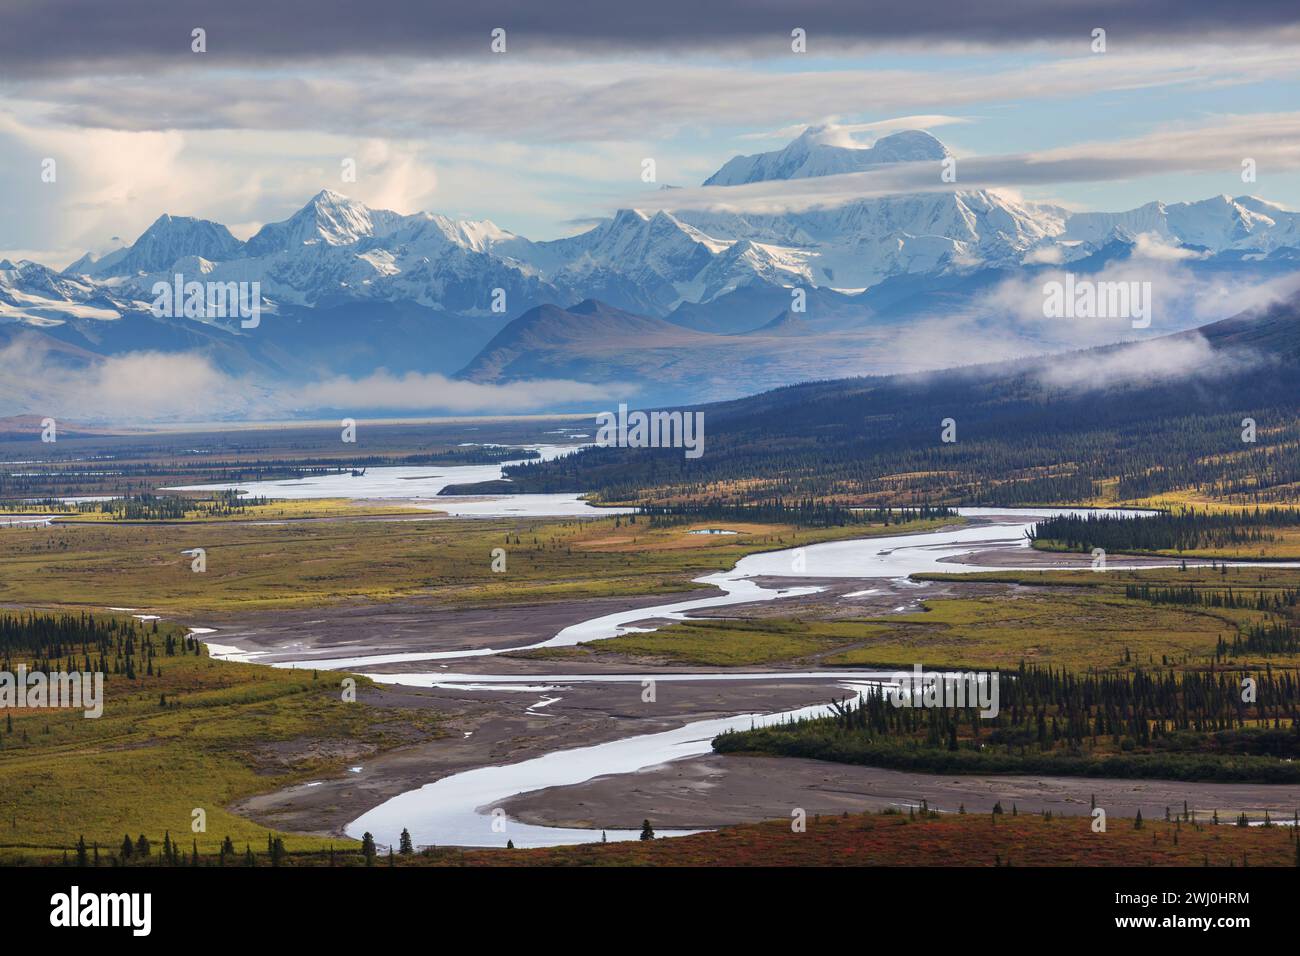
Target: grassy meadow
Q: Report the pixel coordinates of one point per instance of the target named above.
(256, 566)
(197, 733)
(1075, 619)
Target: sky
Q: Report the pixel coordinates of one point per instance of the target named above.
(550, 135)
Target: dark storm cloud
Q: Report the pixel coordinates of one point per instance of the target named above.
(58, 35)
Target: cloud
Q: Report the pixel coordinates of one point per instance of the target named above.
(592, 98)
(58, 35)
(1045, 255)
(422, 392)
(158, 387)
(1147, 363)
(1272, 139)
(834, 133)
(1007, 322)
(1148, 245)
(1180, 297)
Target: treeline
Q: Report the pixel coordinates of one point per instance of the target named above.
(1014, 454)
(1277, 634)
(1184, 530)
(1193, 725)
(144, 507)
(1262, 637)
(806, 512)
(85, 642)
(1273, 601)
(173, 508)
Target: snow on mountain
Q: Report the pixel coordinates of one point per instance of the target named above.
(35, 295)
(658, 254)
(168, 239)
(329, 217)
(335, 250)
(857, 244)
(432, 229)
(812, 155)
(1217, 224)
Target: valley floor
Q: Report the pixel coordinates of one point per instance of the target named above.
(435, 726)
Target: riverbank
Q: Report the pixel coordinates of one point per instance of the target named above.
(590, 679)
(717, 790)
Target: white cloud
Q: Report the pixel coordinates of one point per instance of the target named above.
(1146, 363)
(595, 99)
(417, 392)
(158, 387)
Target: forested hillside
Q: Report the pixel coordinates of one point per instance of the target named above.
(1118, 423)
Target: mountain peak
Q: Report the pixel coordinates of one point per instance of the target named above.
(330, 218)
(908, 145)
(328, 196)
(168, 239)
(826, 150)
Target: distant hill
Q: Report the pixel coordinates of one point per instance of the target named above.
(645, 359)
(788, 323)
(1124, 421)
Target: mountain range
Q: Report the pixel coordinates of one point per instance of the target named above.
(673, 306)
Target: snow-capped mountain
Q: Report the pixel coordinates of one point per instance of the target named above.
(815, 153)
(336, 250)
(34, 295)
(1217, 224)
(336, 263)
(330, 218)
(856, 245)
(169, 238)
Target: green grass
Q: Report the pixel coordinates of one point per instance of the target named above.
(1073, 619)
(232, 730)
(1074, 630)
(313, 564)
(229, 731)
(729, 643)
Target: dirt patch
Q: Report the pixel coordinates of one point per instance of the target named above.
(488, 727)
(717, 790)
